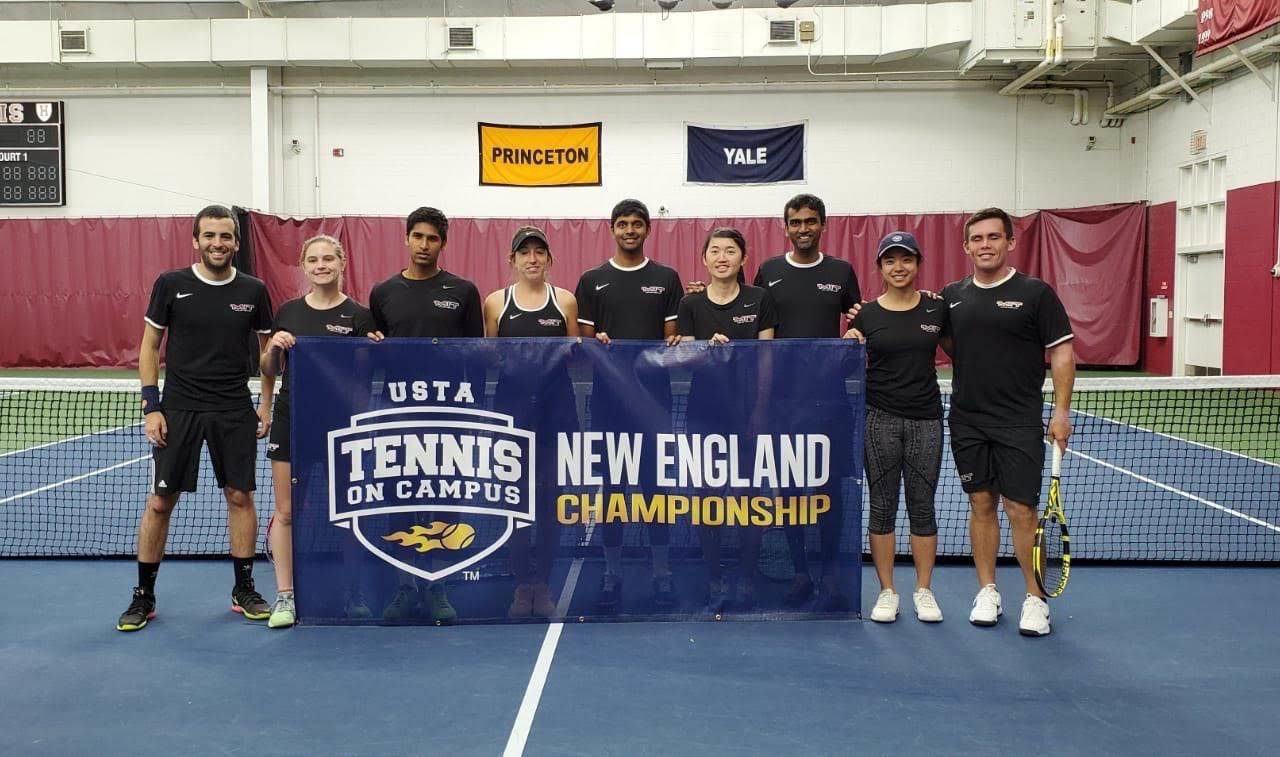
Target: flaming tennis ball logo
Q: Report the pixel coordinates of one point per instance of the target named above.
(438, 535)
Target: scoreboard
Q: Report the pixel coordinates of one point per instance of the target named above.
(32, 171)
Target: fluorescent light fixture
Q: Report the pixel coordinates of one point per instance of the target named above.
(664, 65)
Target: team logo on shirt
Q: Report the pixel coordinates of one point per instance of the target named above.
(431, 474)
(336, 329)
(829, 287)
(242, 307)
(653, 290)
(550, 322)
(932, 328)
(1008, 304)
(745, 318)
(446, 304)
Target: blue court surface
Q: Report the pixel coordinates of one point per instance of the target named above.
(1143, 660)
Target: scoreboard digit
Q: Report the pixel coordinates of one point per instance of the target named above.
(32, 171)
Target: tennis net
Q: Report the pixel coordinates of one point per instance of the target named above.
(1159, 470)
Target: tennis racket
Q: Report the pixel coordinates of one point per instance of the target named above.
(1052, 551)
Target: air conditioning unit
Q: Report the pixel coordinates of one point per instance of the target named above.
(462, 38)
(782, 32)
(73, 40)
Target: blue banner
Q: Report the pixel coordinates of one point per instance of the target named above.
(525, 480)
(745, 156)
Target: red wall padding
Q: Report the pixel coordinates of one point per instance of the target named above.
(92, 276)
(1251, 303)
(1161, 244)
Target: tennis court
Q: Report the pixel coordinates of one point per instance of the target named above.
(1144, 659)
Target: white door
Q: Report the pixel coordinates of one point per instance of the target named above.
(1200, 316)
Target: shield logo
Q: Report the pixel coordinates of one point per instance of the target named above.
(431, 491)
(44, 111)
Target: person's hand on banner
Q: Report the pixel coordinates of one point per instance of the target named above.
(853, 333)
(602, 337)
(375, 336)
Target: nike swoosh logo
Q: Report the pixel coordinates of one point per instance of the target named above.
(934, 310)
(744, 307)
(775, 281)
(954, 304)
(447, 286)
(514, 316)
(185, 294)
(343, 316)
(600, 286)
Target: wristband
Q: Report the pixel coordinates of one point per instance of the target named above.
(150, 399)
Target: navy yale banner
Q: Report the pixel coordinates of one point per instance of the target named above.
(745, 156)
(494, 480)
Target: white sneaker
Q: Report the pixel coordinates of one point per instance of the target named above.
(1035, 617)
(986, 607)
(927, 609)
(886, 609)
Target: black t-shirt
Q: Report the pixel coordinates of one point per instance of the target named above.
(349, 318)
(1000, 334)
(441, 306)
(810, 298)
(207, 356)
(744, 317)
(901, 346)
(544, 321)
(629, 303)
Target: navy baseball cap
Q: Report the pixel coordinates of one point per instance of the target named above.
(898, 239)
(525, 233)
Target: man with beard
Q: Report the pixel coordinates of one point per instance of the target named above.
(812, 293)
(425, 301)
(630, 296)
(207, 310)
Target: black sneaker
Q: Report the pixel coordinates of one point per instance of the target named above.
(610, 592)
(830, 599)
(141, 610)
(249, 603)
(664, 592)
(799, 592)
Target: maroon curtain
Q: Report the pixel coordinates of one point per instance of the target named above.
(1092, 256)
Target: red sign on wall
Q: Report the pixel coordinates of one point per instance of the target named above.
(1221, 22)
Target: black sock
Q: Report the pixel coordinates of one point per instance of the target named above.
(244, 570)
(147, 576)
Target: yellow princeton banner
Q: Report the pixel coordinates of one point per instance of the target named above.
(540, 156)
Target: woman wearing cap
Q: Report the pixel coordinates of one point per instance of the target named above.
(727, 310)
(902, 330)
(533, 307)
(323, 311)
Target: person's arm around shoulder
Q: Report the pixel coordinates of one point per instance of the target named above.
(493, 311)
(568, 305)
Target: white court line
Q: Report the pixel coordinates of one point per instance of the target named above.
(69, 439)
(533, 692)
(73, 479)
(1188, 495)
(1176, 438)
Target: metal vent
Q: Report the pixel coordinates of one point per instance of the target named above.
(73, 41)
(462, 38)
(782, 31)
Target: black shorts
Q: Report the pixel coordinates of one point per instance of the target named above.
(233, 449)
(278, 443)
(1008, 461)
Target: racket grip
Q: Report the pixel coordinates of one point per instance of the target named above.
(1057, 459)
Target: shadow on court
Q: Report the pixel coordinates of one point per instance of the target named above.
(1142, 661)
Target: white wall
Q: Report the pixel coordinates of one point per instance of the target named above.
(1242, 121)
(164, 155)
(869, 151)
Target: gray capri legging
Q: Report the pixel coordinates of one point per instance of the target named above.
(897, 450)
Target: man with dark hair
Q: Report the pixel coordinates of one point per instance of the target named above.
(812, 293)
(630, 296)
(424, 300)
(207, 310)
(1002, 323)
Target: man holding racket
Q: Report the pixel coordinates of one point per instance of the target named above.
(1002, 324)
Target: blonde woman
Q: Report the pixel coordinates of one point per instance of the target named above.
(323, 311)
